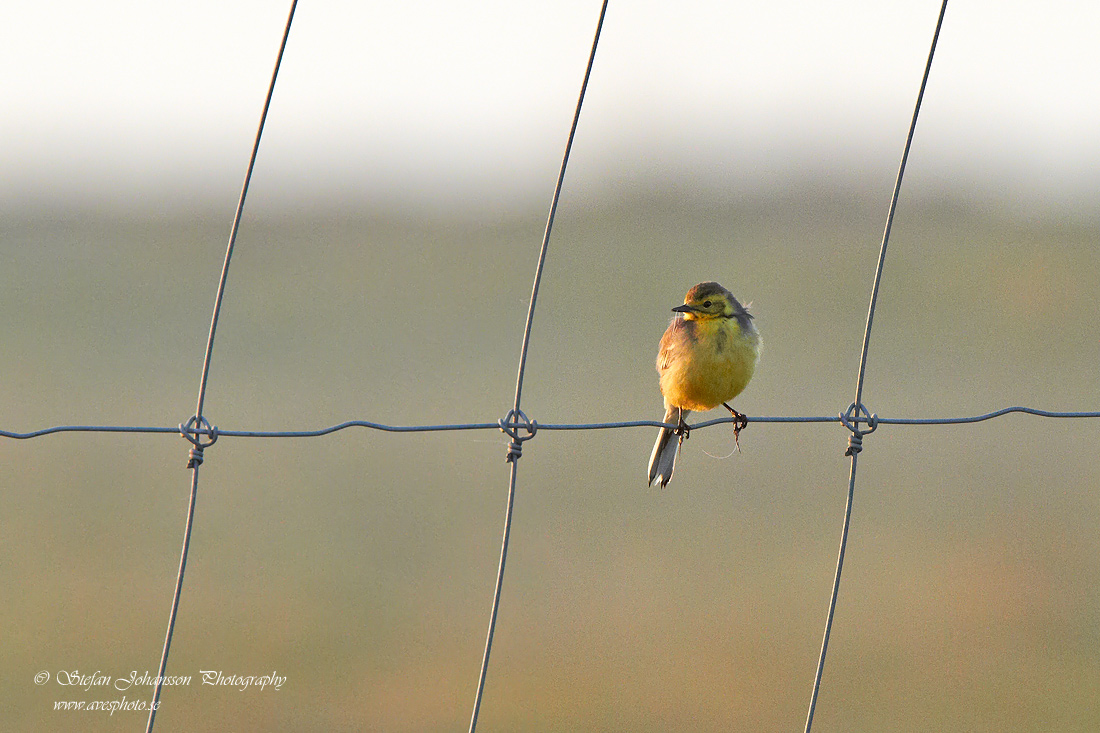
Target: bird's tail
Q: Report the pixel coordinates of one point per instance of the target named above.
(663, 460)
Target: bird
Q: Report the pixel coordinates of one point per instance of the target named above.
(706, 358)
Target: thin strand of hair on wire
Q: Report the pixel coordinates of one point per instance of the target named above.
(516, 414)
(855, 447)
(198, 418)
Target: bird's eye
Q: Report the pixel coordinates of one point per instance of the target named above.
(706, 304)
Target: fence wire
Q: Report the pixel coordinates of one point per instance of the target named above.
(856, 410)
(199, 442)
(515, 423)
(857, 419)
(445, 427)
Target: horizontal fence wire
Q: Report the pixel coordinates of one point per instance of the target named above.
(321, 432)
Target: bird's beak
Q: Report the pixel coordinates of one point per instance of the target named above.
(685, 308)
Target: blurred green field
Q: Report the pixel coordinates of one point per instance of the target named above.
(360, 566)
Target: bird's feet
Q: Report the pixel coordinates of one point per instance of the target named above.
(740, 422)
(682, 430)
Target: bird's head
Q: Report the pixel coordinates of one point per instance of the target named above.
(710, 300)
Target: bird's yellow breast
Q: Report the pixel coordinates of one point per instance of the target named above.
(706, 362)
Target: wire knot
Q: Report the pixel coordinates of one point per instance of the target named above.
(194, 457)
(192, 431)
(851, 418)
(511, 424)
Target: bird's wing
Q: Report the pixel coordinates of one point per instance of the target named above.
(672, 342)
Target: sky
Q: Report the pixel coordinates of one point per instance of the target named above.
(136, 103)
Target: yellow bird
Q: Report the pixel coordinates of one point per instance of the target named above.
(707, 357)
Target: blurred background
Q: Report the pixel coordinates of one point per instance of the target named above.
(382, 273)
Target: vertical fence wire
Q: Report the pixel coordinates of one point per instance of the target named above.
(554, 205)
(199, 422)
(516, 419)
(175, 599)
(856, 412)
(240, 211)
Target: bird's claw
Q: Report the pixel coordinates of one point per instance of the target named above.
(740, 422)
(682, 430)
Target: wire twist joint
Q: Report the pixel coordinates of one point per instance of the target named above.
(511, 424)
(851, 418)
(193, 431)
